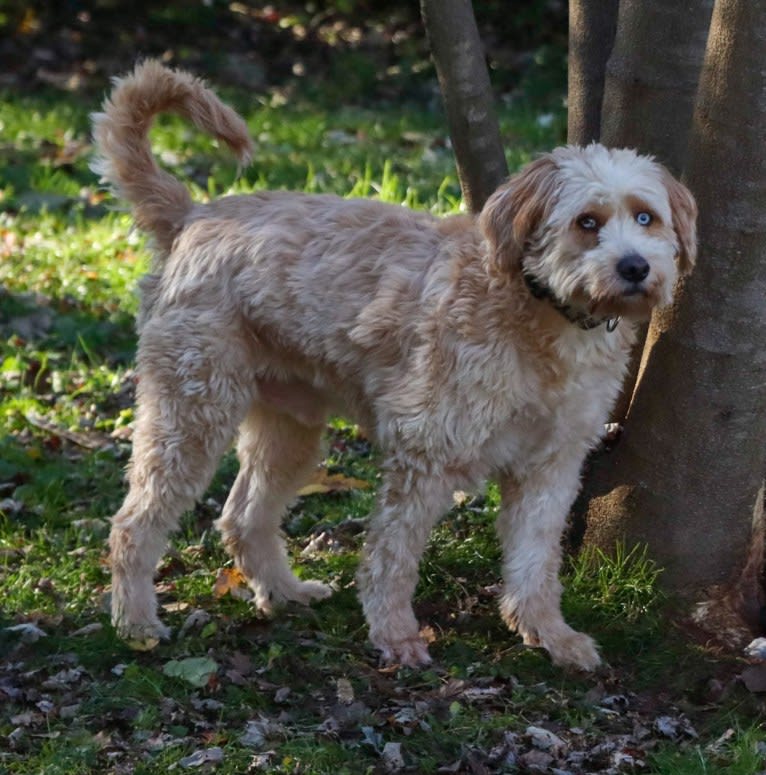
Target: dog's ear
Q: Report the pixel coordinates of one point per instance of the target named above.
(513, 213)
(684, 211)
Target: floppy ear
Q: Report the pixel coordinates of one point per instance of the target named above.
(684, 211)
(513, 213)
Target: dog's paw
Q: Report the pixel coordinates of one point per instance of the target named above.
(289, 590)
(573, 649)
(143, 632)
(411, 652)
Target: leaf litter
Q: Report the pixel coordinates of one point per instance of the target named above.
(321, 685)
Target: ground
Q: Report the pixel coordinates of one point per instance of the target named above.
(233, 692)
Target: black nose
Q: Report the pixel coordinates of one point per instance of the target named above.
(633, 268)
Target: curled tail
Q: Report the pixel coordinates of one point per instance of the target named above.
(121, 133)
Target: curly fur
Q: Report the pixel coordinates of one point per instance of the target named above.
(267, 312)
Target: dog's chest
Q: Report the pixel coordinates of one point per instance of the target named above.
(545, 418)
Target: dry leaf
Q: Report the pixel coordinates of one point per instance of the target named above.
(460, 498)
(206, 756)
(281, 695)
(177, 607)
(324, 482)
(142, 644)
(194, 670)
(229, 581)
(392, 757)
(754, 678)
(29, 632)
(345, 691)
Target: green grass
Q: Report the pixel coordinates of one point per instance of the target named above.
(68, 269)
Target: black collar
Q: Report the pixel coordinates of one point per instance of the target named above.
(581, 319)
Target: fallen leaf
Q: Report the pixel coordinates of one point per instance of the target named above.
(176, 607)
(206, 704)
(11, 506)
(142, 644)
(482, 692)
(205, 756)
(281, 695)
(671, 727)
(30, 633)
(537, 761)
(324, 482)
(754, 677)
(345, 691)
(196, 619)
(392, 756)
(373, 738)
(545, 740)
(259, 730)
(194, 670)
(253, 736)
(719, 745)
(229, 581)
(62, 679)
(460, 498)
(24, 719)
(262, 760)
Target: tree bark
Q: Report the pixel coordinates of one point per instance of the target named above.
(652, 77)
(651, 84)
(687, 477)
(592, 27)
(464, 80)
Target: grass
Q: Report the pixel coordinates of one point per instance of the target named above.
(306, 685)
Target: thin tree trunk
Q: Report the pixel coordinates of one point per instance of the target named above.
(687, 477)
(651, 83)
(592, 27)
(464, 80)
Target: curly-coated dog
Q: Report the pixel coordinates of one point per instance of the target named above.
(469, 348)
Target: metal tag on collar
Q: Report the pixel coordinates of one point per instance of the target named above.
(611, 324)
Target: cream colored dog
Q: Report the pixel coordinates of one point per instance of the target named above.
(469, 348)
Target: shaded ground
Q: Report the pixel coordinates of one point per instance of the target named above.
(353, 49)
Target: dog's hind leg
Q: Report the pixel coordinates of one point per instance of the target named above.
(193, 391)
(409, 504)
(277, 454)
(530, 523)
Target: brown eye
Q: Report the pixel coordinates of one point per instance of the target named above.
(587, 222)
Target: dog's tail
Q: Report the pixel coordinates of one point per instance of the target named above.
(121, 133)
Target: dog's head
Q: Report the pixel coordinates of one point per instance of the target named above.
(605, 232)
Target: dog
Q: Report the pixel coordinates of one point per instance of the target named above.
(469, 347)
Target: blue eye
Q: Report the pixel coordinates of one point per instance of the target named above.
(587, 222)
(643, 219)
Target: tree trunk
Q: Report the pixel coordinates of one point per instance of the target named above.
(687, 477)
(651, 83)
(462, 70)
(652, 77)
(592, 26)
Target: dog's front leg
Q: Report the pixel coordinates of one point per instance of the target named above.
(530, 524)
(409, 504)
